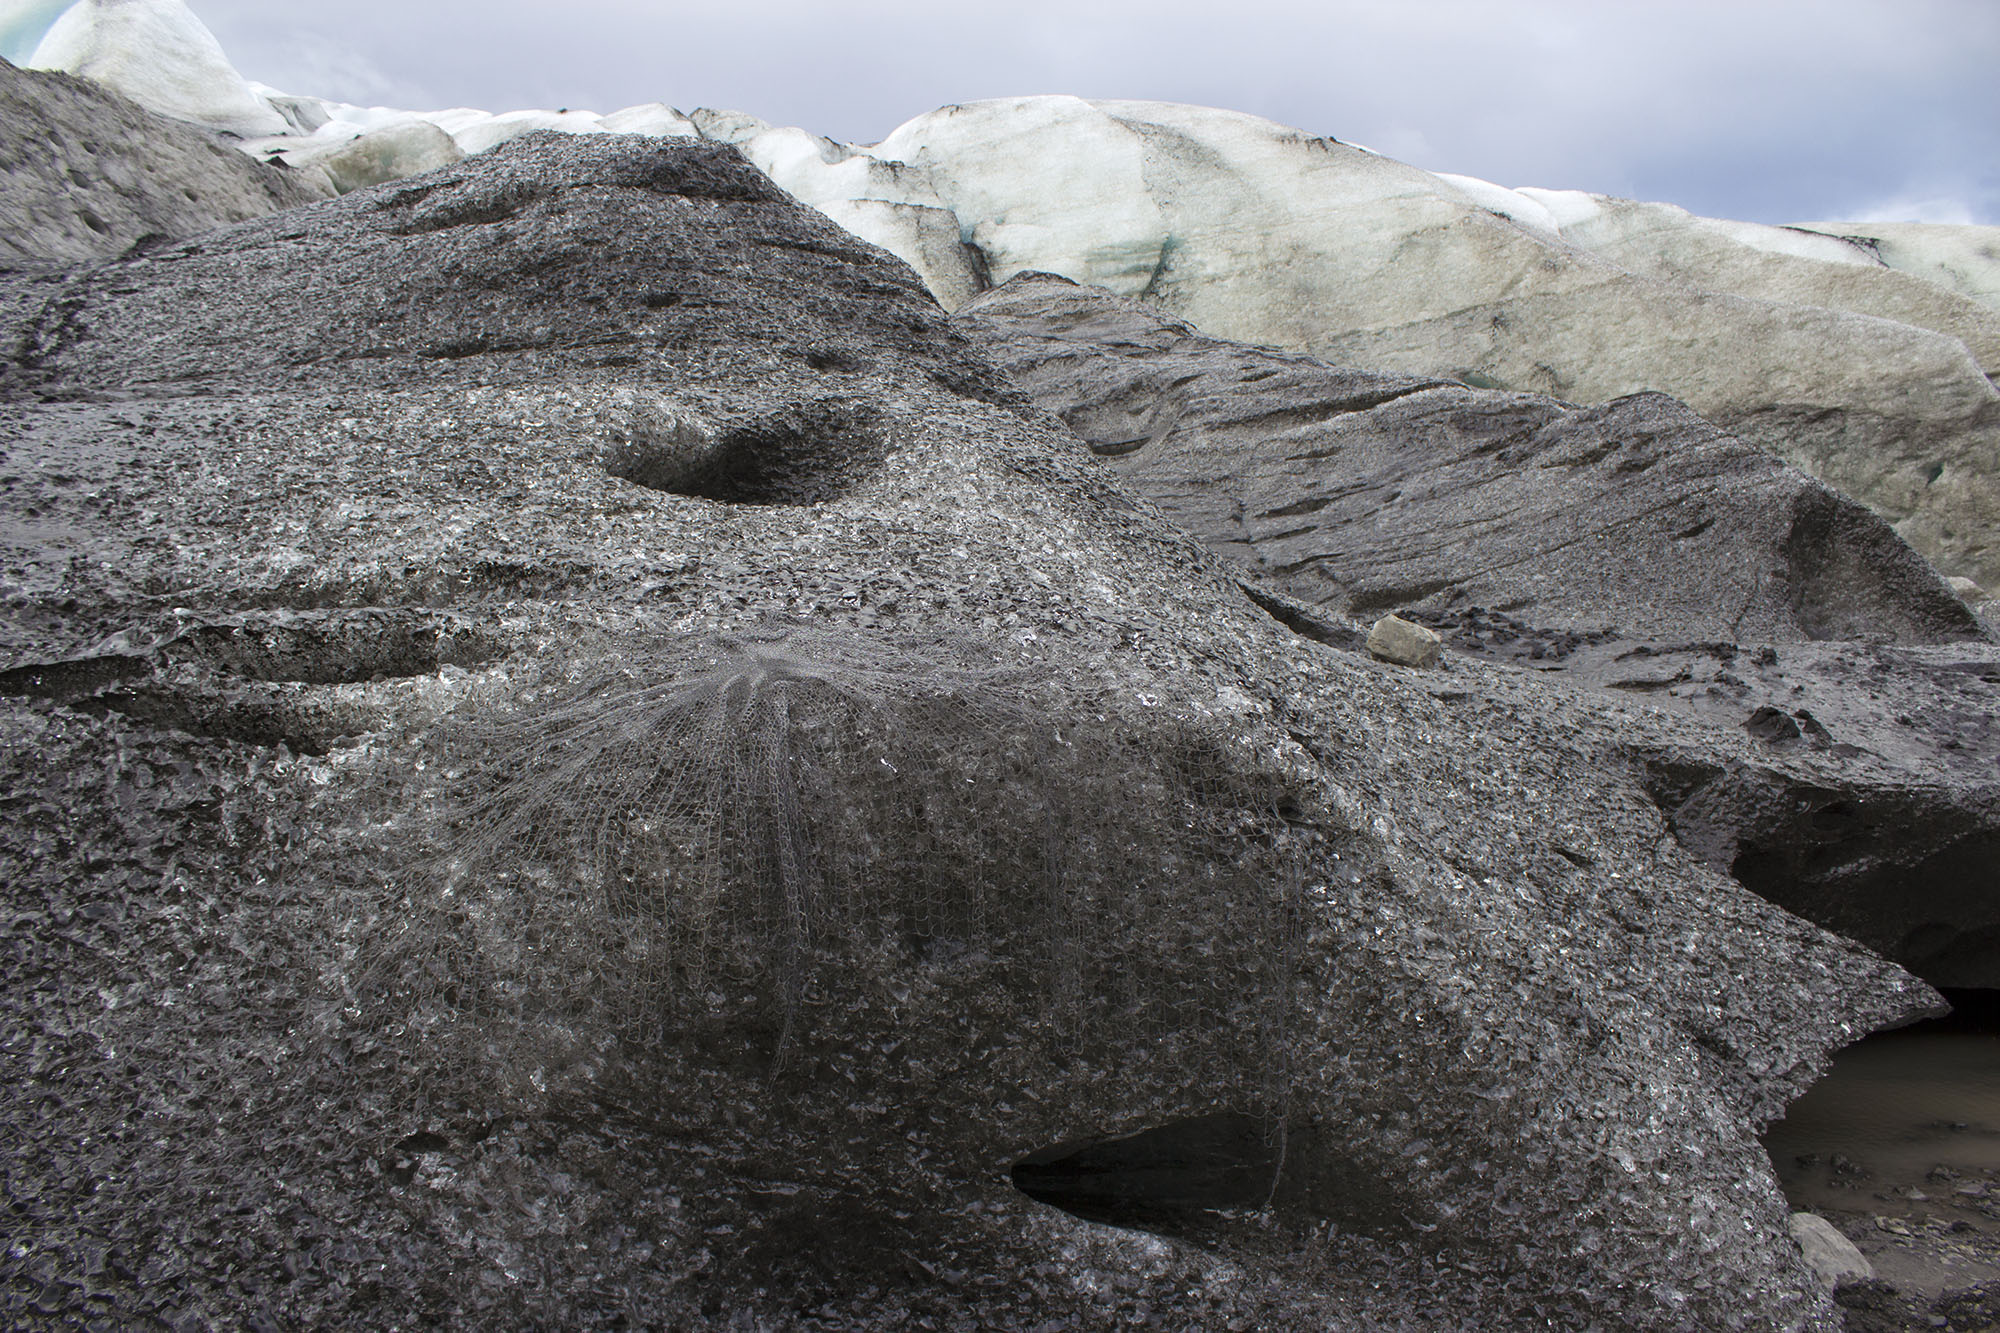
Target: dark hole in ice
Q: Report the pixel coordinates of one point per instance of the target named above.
(1833, 843)
(1158, 1177)
(829, 359)
(804, 455)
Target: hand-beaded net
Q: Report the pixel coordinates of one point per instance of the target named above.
(700, 821)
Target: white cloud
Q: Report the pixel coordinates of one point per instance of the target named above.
(1918, 208)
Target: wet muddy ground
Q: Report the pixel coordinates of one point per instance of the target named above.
(1899, 1147)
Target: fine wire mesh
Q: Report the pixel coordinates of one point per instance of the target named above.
(722, 825)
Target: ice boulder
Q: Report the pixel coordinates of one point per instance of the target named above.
(401, 148)
(160, 55)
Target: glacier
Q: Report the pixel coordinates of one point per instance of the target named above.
(1863, 353)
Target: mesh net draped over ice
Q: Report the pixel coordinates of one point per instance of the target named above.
(726, 828)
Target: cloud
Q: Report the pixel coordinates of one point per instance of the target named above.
(302, 60)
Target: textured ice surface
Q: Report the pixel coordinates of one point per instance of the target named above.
(1050, 183)
(1786, 265)
(1964, 259)
(160, 55)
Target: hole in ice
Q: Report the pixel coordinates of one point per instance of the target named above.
(1160, 1176)
(804, 455)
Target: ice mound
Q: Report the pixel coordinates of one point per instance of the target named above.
(160, 55)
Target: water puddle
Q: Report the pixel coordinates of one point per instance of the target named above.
(1899, 1146)
(1915, 1111)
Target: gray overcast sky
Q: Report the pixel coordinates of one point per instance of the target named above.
(1770, 110)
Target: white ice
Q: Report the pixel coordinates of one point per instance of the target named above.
(1965, 259)
(160, 55)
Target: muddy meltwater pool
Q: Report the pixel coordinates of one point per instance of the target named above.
(1899, 1147)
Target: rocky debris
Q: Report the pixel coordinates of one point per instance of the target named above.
(1394, 639)
(1631, 549)
(1827, 1252)
(531, 438)
(1878, 1307)
(1361, 492)
(85, 174)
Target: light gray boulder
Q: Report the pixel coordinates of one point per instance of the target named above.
(1830, 1254)
(1394, 639)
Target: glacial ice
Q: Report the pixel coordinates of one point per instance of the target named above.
(361, 146)
(1518, 205)
(1788, 265)
(1866, 361)
(654, 118)
(1050, 183)
(1964, 259)
(160, 55)
(478, 137)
